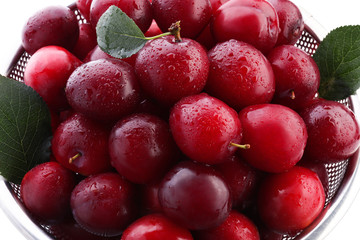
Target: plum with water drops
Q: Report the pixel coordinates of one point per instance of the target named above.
(205, 128)
(46, 189)
(81, 145)
(47, 73)
(239, 75)
(195, 196)
(277, 136)
(53, 25)
(297, 77)
(104, 204)
(333, 131)
(253, 21)
(105, 89)
(169, 70)
(290, 201)
(142, 148)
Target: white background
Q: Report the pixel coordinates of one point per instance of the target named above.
(330, 14)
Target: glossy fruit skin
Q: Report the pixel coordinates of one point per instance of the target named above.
(47, 72)
(193, 15)
(195, 196)
(104, 204)
(236, 227)
(240, 75)
(53, 25)
(153, 30)
(291, 21)
(268, 234)
(150, 106)
(169, 70)
(333, 131)
(71, 228)
(242, 180)
(154, 227)
(55, 120)
(45, 191)
(95, 54)
(84, 7)
(295, 73)
(105, 89)
(149, 194)
(142, 148)
(215, 4)
(206, 37)
(320, 169)
(293, 199)
(86, 42)
(203, 128)
(81, 135)
(277, 136)
(253, 21)
(138, 10)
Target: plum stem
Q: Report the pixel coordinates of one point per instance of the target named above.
(242, 146)
(71, 160)
(174, 29)
(292, 95)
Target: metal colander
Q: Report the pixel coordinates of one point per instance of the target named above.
(340, 192)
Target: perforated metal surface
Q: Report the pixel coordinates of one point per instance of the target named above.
(307, 42)
(17, 71)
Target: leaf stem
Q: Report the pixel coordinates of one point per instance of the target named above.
(158, 36)
(174, 30)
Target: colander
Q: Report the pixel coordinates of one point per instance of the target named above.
(343, 176)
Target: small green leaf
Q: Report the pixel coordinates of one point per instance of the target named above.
(25, 129)
(338, 59)
(118, 35)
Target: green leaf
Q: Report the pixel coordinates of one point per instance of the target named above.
(25, 129)
(338, 59)
(118, 35)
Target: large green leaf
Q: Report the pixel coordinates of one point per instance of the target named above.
(338, 59)
(25, 129)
